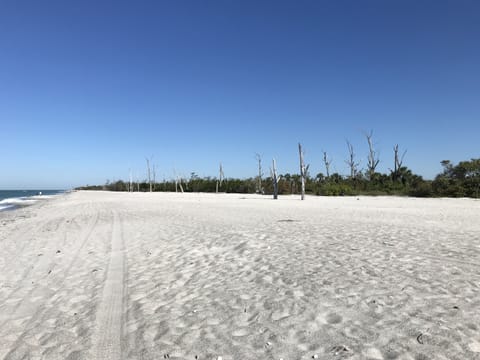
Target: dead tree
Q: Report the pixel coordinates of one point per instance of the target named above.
(398, 161)
(303, 170)
(149, 173)
(220, 178)
(327, 163)
(352, 164)
(373, 159)
(275, 179)
(154, 176)
(130, 184)
(178, 181)
(180, 184)
(260, 173)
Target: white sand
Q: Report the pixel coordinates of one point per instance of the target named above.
(95, 275)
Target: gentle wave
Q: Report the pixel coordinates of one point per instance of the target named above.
(12, 203)
(18, 201)
(6, 207)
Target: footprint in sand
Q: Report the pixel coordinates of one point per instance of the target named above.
(391, 354)
(474, 346)
(333, 318)
(298, 293)
(240, 332)
(245, 297)
(213, 321)
(373, 353)
(279, 315)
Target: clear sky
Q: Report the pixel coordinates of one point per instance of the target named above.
(88, 89)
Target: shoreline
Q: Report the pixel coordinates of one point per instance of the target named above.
(14, 199)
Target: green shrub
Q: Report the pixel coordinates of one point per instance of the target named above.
(333, 189)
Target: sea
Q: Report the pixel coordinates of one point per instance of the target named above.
(12, 199)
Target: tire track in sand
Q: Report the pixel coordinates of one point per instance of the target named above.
(20, 309)
(107, 336)
(34, 313)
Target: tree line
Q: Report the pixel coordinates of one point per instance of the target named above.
(456, 180)
(460, 180)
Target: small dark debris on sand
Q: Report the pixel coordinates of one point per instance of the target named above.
(339, 349)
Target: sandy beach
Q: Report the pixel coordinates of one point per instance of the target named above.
(98, 275)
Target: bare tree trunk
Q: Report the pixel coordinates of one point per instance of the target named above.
(130, 187)
(180, 185)
(327, 163)
(303, 170)
(395, 168)
(275, 179)
(154, 176)
(260, 173)
(351, 161)
(220, 178)
(148, 172)
(373, 159)
(176, 179)
(398, 161)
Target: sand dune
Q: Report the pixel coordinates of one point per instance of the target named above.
(97, 275)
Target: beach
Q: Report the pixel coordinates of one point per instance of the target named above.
(104, 275)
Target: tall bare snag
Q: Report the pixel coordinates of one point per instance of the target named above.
(373, 159)
(275, 179)
(260, 173)
(352, 164)
(303, 170)
(398, 161)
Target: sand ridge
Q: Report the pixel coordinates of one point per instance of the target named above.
(98, 275)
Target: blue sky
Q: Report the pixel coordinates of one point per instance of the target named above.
(88, 89)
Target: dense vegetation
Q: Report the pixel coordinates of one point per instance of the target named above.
(461, 180)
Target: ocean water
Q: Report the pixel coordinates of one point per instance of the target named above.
(12, 199)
